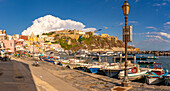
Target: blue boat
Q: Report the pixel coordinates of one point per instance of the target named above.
(95, 67)
(94, 70)
(48, 59)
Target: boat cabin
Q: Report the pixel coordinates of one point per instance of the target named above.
(157, 66)
(157, 69)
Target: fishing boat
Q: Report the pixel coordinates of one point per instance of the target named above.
(49, 60)
(77, 60)
(112, 70)
(155, 76)
(167, 79)
(152, 57)
(134, 73)
(95, 67)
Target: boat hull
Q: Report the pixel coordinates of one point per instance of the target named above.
(94, 70)
(153, 81)
(167, 80)
(111, 73)
(49, 61)
(133, 76)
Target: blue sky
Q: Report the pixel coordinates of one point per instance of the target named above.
(150, 18)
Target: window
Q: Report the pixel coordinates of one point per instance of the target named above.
(10, 44)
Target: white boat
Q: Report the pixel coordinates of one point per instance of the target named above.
(77, 60)
(155, 76)
(111, 70)
(111, 53)
(134, 73)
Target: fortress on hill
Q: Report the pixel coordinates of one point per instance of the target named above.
(75, 34)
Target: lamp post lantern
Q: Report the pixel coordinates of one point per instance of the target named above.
(126, 8)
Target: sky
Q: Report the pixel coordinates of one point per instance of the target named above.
(150, 18)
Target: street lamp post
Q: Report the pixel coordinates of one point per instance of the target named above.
(126, 8)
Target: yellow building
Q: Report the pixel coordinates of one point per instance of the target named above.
(33, 38)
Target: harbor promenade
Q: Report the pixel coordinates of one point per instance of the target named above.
(50, 77)
(45, 80)
(15, 76)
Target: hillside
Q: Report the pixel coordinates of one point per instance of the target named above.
(90, 43)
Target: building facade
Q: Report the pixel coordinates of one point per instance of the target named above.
(3, 35)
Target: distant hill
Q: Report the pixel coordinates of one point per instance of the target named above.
(90, 43)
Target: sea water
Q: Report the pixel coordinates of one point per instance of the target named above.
(165, 60)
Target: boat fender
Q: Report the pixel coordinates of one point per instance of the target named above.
(134, 70)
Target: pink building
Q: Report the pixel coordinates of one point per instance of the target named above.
(9, 45)
(31, 48)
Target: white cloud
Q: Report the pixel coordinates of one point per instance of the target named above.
(164, 34)
(154, 36)
(164, 3)
(160, 4)
(157, 4)
(167, 23)
(89, 29)
(133, 22)
(132, 44)
(121, 24)
(160, 33)
(158, 40)
(50, 23)
(152, 27)
(167, 27)
(139, 33)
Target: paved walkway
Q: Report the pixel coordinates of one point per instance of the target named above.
(45, 81)
(14, 77)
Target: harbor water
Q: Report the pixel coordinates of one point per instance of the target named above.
(165, 60)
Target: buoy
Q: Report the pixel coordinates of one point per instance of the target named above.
(134, 70)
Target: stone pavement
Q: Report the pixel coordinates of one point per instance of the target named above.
(14, 78)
